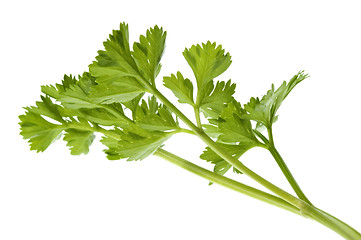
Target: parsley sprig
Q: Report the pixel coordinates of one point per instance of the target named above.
(118, 98)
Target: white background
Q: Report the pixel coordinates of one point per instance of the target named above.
(54, 195)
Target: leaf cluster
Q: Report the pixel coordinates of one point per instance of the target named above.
(116, 99)
(238, 129)
(98, 101)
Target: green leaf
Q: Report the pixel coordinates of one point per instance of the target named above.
(181, 87)
(235, 135)
(43, 124)
(72, 93)
(120, 72)
(211, 130)
(75, 96)
(98, 115)
(116, 61)
(264, 110)
(40, 132)
(133, 146)
(47, 108)
(118, 76)
(119, 90)
(207, 62)
(148, 52)
(216, 98)
(220, 165)
(133, 105)
(78, 140)
(235, 129)
(155, 117)
(58, 89)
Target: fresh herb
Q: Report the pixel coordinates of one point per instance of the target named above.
(119, 99)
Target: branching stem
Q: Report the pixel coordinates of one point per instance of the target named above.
(225, 155)
(305, 208)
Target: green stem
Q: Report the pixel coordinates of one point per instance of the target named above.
(183, 130)
(226, 182)
(198, 117)
(285, 170)
(95, 128)
(270, 135)
(263, 138)
(241, 167)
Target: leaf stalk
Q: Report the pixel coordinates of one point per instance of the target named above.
(226, 182)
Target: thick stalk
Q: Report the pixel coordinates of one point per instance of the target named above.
(331, 222)
(226, 182)
(307, 210)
